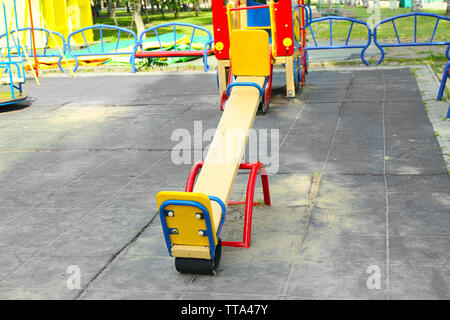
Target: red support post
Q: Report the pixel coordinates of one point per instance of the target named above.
(249, 204)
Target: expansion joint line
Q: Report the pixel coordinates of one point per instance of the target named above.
(386, 192)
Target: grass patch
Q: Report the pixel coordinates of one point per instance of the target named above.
(386, 32)
(405, 26)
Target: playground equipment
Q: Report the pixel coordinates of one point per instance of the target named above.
(14, 70)
(336, 45)
(163, 51)
(59, 16)
(284, 22)
(249, 39)
(416, 42)
(103, 50)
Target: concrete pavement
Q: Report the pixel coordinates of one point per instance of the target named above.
(361, 200)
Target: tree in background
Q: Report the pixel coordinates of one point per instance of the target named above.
(376, 4)
(393, 5)
(111, 5)
(138, 8)
(448, 8)
(137, 18)
(196, 4)
(416, 5)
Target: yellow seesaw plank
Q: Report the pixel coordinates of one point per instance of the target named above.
(228, 146)
(225, 155)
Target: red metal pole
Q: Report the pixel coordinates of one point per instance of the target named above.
(254, 169)
(192, 176)
(36, 65)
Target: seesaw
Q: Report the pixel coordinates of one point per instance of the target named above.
(192, 220)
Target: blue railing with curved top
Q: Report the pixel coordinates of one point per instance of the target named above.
(44, 49)
(416, 42)
(206, 214)
(444, 81)
(308, 14)
(206, 49)
(20, 71)
(332, 45)
(100, 47)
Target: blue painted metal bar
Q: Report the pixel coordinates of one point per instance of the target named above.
(349, 32)
(154, 28)
(58, 36)
(118, 40)
(8, 67)
(85, 41)
(308, 16)
(208, 44)
(101, 39)
(396, 32)
(46, 42)
(434, 30)
(443, 82)
(224, 210)
(192, 38)
(380, 46)
(314, 37)
(159, 40)
(175, 37)
(132, 52)
(332, 44)
(415, 28)
(245, 84)
(331, 32)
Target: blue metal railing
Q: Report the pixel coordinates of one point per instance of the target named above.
(103, 51)
(206, 214)
(20, 71)
(43, 51)
(9, 64)
(308, 14)
(416, 42)
(332, 45)
(207, 48)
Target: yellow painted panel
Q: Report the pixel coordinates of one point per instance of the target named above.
(184, 218)
(80, 15)
(54, 13)
(250, 53)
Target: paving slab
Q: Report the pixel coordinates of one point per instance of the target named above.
(358, 183)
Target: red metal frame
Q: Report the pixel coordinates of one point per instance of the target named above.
(192, 53)
(254, 169)
(221, 32)
(283, 26)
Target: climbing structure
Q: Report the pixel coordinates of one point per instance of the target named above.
(249, 39)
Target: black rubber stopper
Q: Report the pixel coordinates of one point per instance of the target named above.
(200, 266)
